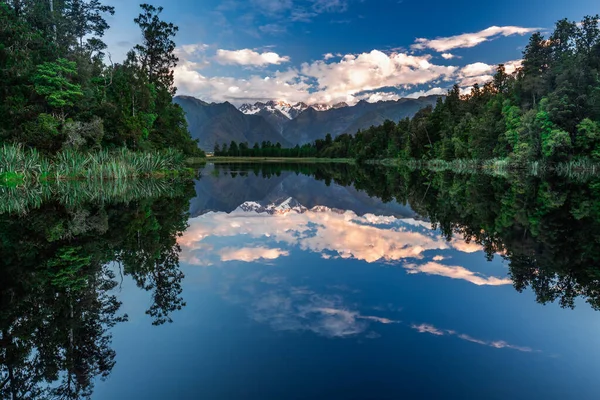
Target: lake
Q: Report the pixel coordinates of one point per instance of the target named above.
(282, 281)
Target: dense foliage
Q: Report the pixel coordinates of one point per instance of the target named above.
(19, 165)
(59, 90)
(548, 110)
(63, 260)
(268, 149)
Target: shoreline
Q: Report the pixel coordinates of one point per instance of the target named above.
(295, 160)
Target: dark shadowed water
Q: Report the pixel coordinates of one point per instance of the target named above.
(304, 282)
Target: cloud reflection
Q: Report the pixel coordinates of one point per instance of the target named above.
(301, 309)
(330, 233)
(499, 344)
(455, 272)
(249, 254)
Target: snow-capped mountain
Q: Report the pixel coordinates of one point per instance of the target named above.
(283, 207)
(288, 205)
(278, 121)
(340, 105)
(321, 106)
(287, 109)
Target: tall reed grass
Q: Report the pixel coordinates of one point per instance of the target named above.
(20, 164)
(70, 193)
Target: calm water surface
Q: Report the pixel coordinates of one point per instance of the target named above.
(270, 282)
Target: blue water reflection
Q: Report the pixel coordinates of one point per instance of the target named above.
(289, 298)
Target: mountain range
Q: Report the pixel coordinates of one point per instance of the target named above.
(220, 191)
(278, 121)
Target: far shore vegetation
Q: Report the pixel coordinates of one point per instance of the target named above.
(232, 159)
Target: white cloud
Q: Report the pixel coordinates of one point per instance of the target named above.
(341, 80)
(285, 86)
(426, 328)
(482, 73)
(466, 40)
(480, 80)
(456, 272)
(478, 72)
(249, 57)
(335, 78)
(477, 69)
(430, 92)
(194, 48)
(511, 67)
(499, 344)
(249, 254)
(322, 81)
(380, 96)
(448, 56)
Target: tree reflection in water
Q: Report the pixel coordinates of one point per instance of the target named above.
(62, 259)
(58, 271)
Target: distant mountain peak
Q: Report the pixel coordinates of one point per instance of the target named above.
(287, 109)
(274, 106)
(191, 98)
(280, 207)
(279, 121)
(284, 206)
(219, 123)
(321, 106)
(340, 105)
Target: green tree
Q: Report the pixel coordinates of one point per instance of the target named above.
(536, 62)
(156, 51)
(53, 81)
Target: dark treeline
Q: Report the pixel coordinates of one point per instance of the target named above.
(548, 110)
(60, 90)
(545, 227)
(265, 149)
(61, 265)
(343, 146)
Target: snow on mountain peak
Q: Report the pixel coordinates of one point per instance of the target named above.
(321, 106)
(290, 111)
(288, 205)
(247, 108)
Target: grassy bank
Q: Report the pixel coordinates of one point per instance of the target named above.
(578, 168)
(19, 165)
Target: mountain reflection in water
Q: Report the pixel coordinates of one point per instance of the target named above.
(256, 279)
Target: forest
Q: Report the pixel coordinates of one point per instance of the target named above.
(60, 90)
(548, 111)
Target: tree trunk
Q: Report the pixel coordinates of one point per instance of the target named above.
(52, 16)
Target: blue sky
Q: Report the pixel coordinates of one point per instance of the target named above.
(341, 50)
